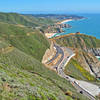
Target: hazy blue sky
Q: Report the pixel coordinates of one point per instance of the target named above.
(50, 5)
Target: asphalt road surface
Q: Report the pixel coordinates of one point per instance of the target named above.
(60, 69)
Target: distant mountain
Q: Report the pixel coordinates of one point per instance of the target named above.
(56, 16)
(29, 21)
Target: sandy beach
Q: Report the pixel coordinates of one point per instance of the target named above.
(65, 21)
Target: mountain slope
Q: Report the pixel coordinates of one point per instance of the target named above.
(23, 77)
(27, 40)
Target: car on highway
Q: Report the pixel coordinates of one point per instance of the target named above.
(68, 57)
(81, 92)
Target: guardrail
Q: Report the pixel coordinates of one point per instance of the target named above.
(84, 91)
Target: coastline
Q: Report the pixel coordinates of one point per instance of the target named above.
(62, 22)
(68, 20)
(65, 21)
(50, 35)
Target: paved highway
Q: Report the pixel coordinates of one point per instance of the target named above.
(59, 51)
(60, 69)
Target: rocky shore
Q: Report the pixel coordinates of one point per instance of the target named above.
(59, 26)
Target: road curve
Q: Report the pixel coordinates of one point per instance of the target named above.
(60, 69)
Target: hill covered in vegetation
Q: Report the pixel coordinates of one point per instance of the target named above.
(56, 16)
(27, 40)
(22, 75)
(78, 40)
(21, 20)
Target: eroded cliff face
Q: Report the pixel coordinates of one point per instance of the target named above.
(82, 61)
(92, 61)
(56, 28)
(49, 54)
(94, 51)
(89, 61)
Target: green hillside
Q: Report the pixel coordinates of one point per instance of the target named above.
(22, 75)
(74, 69)
(29, 21)
(27, 40)
(25, 78)
(79, 41)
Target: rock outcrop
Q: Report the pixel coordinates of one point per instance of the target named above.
(94, 51)
(49, 54)
(92, 61)
(56, 28)
(87, 59)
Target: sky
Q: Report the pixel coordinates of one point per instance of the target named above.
(70, 6)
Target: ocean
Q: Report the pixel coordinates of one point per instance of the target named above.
(89, 26)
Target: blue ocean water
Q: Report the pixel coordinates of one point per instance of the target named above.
(89, 26)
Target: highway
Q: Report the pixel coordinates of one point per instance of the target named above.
(59, 51)
(60, 69)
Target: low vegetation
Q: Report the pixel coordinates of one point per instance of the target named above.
(22, 75)
(79, 41)
(33, 44)
(23, 78)
(74, 69)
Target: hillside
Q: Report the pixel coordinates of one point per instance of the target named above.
(27, 40)
(21, 20)
(85, 62)
(23, 77)
(80, 41)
